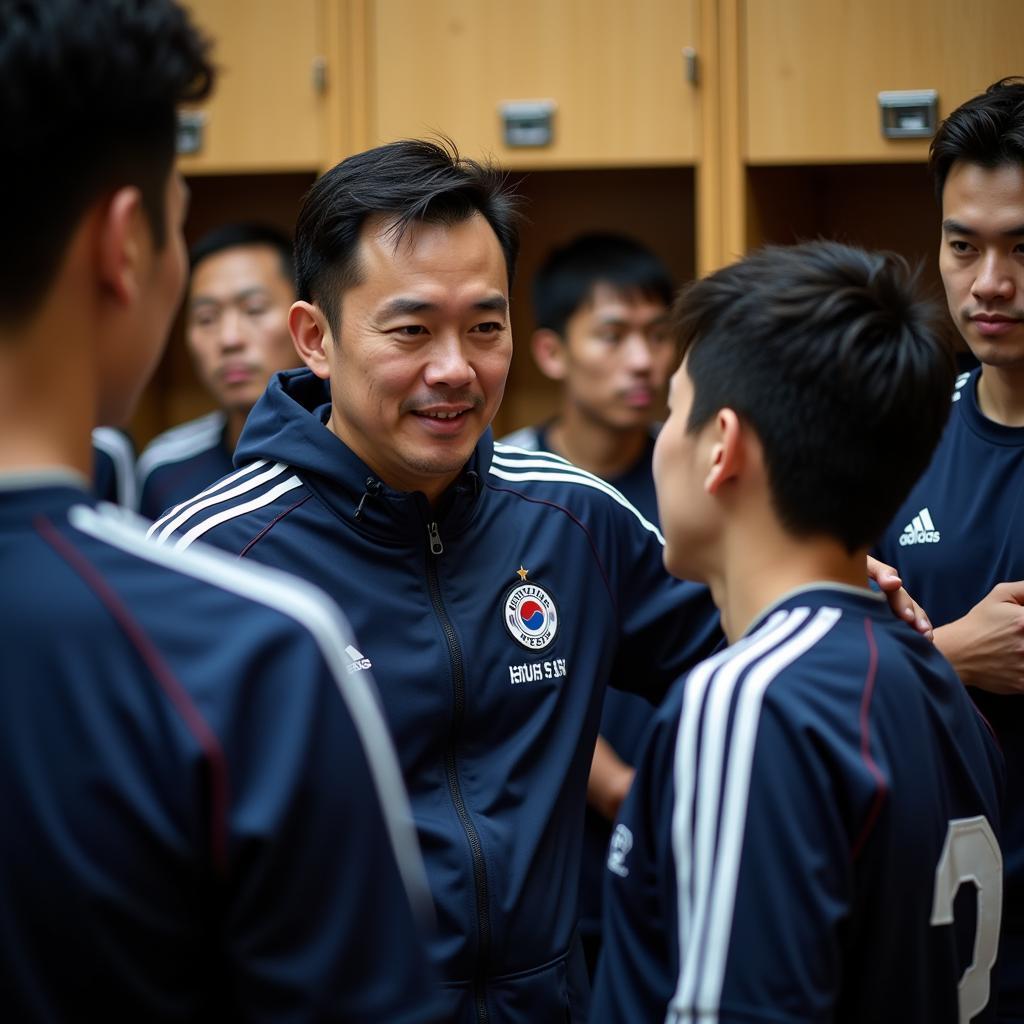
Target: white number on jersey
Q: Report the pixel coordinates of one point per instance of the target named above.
(971, 854)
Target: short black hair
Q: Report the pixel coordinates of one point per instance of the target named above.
(987, 130)
(829, 355)
(235, 236)
(88, 105)
(569, 274)
(412, 181)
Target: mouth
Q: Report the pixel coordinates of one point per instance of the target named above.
(441, 414)
(638, 398)
(993, 324)
(235, 374)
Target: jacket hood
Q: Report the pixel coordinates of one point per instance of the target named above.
(288, 424)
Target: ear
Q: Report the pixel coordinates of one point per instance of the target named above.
(549, 353)
(121, 243)
(311, 336)
(728, 453)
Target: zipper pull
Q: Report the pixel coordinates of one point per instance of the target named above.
(436, 547)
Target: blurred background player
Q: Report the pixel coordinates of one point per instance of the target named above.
(956, 540)
(812, 832)
(601, 306)
(201, 813)
(240, 291)
(113, 467)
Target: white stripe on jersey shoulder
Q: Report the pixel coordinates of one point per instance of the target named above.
(182, 442)
(249, 483)
(520, 465)
(709, 816)
(959, 384)
(312, 610)
(215, 487)
(119, 450)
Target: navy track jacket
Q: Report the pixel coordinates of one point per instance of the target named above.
(191, 788)
(492, 624)
(812, 835)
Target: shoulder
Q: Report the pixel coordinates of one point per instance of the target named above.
(247, 594)
(549, 479)
(527, 438)
(182, 442)
(247, 498)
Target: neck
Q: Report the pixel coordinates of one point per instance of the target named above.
(233, 430)
(47, 397)
(759, 567)
(604, 451)
(1001, 394)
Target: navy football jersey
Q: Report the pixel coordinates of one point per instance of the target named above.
(113, 467)
(956, 536)
(811, 835)
(181, 462)
(201, 813)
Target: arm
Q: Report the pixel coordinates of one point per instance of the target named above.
(609, 781)
(986, 646)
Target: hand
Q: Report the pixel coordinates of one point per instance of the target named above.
(610, 779)
(902, 604)
(986, 646)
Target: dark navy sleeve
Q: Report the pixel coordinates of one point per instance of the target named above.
(636, 976)
(318, 921)
(666, 625)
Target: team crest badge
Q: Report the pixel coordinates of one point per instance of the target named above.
(530, 615)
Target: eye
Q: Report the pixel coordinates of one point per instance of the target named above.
(960, 247)
(256, 309)
(409, 331)
(491, 327)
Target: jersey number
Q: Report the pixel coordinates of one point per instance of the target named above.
(971, 854)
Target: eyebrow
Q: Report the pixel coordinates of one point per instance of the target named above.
(245, 293)
(955, 227)
(412, 307)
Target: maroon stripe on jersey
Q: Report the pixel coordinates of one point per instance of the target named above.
(176, 693)
(882, 790)
(581, 525)
(273, 522)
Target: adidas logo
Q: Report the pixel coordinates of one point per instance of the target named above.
(359, 662)
(920, 530)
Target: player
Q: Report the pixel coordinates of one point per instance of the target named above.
(811, 834)
(240, 290)
(956, 536)
(201, 815)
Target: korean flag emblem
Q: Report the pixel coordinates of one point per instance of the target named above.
(530, 616)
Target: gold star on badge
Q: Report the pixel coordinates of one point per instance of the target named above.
(521, 572)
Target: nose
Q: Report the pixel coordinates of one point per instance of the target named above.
(230, 330)
(637, 353)
(448, 365)
(994, 279)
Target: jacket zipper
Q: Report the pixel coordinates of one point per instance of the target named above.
(483, 918)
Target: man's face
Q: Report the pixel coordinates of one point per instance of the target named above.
(618, 357)
(680, 464)
(129, 363)
(238, 323)
(419, 367)
(982, 259)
